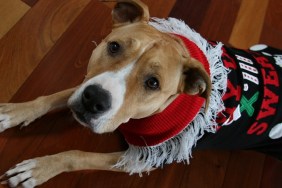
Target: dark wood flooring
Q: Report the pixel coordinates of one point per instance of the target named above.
(48, 50)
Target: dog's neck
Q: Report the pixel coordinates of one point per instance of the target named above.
(153, 130)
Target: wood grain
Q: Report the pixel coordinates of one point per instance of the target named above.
(48, 50)
(218, 25)
(30, 2)
(22, 48)
(251, 163)
(272, 176)
(272, 28)
(249, 23)
(191, 14)
(8, 20)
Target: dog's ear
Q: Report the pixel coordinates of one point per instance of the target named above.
(196, 81)
(129, 11)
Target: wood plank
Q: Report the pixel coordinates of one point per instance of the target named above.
(272, 29)
(10, 13)
(155, 9)
(207, 169)
(188, 11)
(158, 8)
(59, 132)
(249, 23)
(244, 170)
(22, 48)
(30, 3)
(219, 20)
(272, 176)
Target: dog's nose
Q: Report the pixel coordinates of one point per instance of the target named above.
(95, 99)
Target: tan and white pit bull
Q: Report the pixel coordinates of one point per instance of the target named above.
(136, 72)
(133, 74)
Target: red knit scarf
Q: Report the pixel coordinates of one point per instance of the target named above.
(155, 129)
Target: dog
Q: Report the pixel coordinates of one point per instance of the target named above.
(165, 88)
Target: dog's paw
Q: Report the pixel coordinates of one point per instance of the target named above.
(22, 174)
(13, 114)
(4, 122)
(31, 173)
(5, 118)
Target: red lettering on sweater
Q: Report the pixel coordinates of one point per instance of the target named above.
(264, 62)
(268, 72)
(270, 78)
(266, 109)
(258, 128)
(232, 91)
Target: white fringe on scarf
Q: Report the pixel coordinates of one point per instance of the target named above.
(179, 148)
(278, 60)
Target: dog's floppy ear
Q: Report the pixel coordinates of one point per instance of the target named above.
(129, 11)
(196, 80)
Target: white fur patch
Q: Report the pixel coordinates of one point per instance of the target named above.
(22, 174)
(14, 181)
(21, 167)
(30, 183)
(115, 84)
(5, 122)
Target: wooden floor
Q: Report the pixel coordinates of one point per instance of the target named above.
(45, 48)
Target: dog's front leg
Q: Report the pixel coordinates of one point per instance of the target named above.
(13, 114)
(31, 173)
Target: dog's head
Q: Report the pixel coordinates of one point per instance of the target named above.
(136, 71)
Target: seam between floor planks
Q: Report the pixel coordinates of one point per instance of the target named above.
(25, 45)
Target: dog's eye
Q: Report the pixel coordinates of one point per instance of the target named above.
(152, 83)
(113, 47)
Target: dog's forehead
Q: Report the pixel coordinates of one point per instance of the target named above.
(150, 50)
(137, 31)
(157, 58)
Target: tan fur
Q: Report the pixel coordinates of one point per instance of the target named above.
(154, 53)
(142, 42)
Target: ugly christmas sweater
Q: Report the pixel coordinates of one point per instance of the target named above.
(243, 110)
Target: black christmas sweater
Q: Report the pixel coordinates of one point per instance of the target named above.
(252, 118)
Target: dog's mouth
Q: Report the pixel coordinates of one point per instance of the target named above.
(81, 118)
(80, 114)
(87, 120)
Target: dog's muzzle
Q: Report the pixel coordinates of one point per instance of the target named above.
(93, 102)
(96, 100)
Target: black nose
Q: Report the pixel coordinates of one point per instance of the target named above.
(95, 99)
